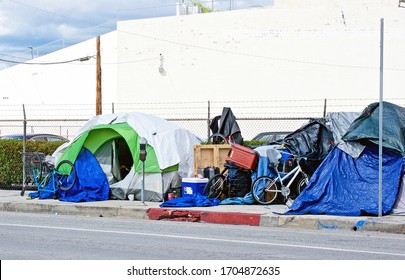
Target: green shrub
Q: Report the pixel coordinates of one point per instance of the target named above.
(11, 165)
(254, 143)
(245, 143)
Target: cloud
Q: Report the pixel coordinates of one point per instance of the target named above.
(4, 23)
(48, 25)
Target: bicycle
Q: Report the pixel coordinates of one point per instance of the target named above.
(265, 189)
(226, 185)
(62, 177)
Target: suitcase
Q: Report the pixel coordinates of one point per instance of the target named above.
(243, 157)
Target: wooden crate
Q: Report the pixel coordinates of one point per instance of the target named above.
(210, 155)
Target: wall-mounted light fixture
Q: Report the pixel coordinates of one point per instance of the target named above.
(162, 70)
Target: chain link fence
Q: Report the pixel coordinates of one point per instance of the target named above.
(253, 117)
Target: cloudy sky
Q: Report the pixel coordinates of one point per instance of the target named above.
(30, 28)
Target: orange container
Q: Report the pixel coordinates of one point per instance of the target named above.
(243, 157)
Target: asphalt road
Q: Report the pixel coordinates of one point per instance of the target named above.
(39, 237)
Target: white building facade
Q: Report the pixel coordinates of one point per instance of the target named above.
(320, 49)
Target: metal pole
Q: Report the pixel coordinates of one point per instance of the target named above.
(208, 120)
(143, 183)
(324, 108)
(380, 126)
(142, 156)
(24, 150)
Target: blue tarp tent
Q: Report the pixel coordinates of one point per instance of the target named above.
(91, 183)
(346, 186)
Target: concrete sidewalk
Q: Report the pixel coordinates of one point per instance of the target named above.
(252, 215)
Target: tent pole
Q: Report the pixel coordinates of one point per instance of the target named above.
(380, 127)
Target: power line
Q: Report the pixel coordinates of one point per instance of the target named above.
(81, 59)
(48, 12)
(254, 55)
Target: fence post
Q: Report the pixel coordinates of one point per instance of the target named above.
(208, 120)
(112, 107)
(24, 149)
(324, 108)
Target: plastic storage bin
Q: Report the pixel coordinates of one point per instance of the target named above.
(243, 157)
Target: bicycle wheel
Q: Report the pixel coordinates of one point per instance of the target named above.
(215, 186)
(217, 138)
(66, 175)
(302, 184)
(264, 190)
(36, 167)
(42, 184)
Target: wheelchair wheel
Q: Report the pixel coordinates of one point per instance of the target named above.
(66, 174)
(264, 190)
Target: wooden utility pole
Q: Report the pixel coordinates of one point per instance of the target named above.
(98, 78)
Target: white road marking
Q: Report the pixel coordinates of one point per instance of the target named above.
(207, 239)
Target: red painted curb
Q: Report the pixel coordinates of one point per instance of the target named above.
(232, 218)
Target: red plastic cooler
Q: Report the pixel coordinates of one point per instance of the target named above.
(243, 157)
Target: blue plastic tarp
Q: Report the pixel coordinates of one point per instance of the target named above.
(91, 183)
(349, 187)
(195, 200)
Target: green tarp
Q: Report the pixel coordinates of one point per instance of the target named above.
(366, 127)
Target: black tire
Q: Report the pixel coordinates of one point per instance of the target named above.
(302, 184)
(264, 190)
(215, 186)
(67, 175)
(36, 168)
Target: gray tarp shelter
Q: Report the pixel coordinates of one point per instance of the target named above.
(345, 185)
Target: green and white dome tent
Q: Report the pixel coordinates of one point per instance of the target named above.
(114, 140)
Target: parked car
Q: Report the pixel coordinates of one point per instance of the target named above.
(35, 137)
(270, 137)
